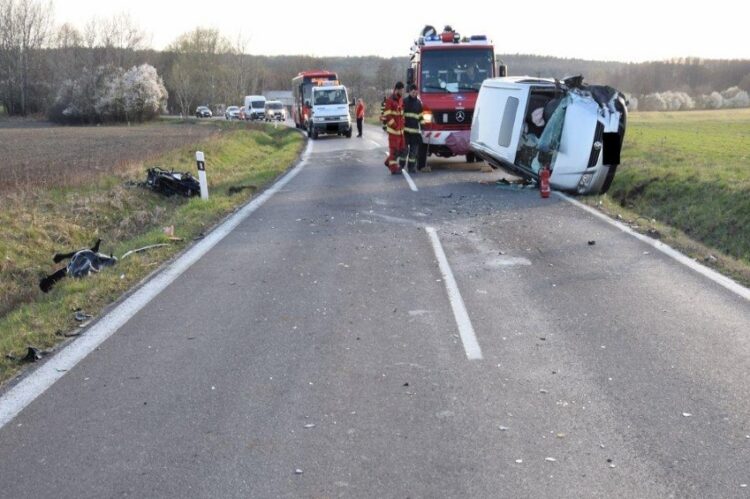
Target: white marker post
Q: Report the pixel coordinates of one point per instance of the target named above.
(201, 160)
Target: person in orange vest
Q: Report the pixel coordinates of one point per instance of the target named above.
(360, 112)
(393, 119)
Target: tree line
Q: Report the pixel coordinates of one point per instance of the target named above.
(41, 62)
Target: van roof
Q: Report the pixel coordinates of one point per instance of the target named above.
(519, 81)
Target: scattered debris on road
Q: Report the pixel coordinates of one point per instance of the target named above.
(82, 263)
(33, 354)
(141, 250)
(592, 243)
(81, 316)
(235, 189)
(550, 459)
(298, 471)
(169, 183)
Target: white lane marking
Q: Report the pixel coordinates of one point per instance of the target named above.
(465, 329)
(21, 395)
(718, 278)
(409, 181)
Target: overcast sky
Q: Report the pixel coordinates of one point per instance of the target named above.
(630, 31)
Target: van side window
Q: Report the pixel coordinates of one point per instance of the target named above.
(509, 119)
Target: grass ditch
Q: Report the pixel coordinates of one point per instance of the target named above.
(685, 179)
(34, 224)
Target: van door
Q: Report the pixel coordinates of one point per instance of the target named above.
(499, 116)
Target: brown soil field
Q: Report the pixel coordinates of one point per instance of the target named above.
(40, 155)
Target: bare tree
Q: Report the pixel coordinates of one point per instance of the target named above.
(24, 28)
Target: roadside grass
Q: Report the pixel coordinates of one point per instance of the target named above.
(687, 175)
(36, 223)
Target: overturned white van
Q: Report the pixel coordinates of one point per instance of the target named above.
(522, 124)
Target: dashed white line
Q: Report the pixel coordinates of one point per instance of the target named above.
(31, 387)
(716, 277)
(409, 181)
(465, 328)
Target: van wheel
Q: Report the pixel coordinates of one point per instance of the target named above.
(471, 158)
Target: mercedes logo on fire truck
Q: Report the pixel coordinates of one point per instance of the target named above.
(460, 116)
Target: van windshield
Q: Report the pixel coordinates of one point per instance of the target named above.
(258, 103)
(274, 105)
(332, 96)
(455, 70)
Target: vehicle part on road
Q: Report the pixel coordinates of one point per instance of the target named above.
(172, 182)
(239, 188)
(140, 250)
(82, 263)
(592, 243)
(81, 316)
(32, 355)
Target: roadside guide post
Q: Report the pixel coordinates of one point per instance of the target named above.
(201, 160)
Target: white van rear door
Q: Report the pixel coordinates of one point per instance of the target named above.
(499, 116)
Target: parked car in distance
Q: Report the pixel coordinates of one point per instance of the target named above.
(523, 124)
(203, 112)
(275, 111)
(232, 113)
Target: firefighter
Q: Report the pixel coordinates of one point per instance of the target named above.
(413, 118)
(393, 119)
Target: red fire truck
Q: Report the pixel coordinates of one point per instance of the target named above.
(448, 70)
(302, 92)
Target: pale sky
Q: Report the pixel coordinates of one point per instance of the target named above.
(633, 31)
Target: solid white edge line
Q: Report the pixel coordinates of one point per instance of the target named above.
(409, 181)
(716, 277)
(465, 329)
(36, 383)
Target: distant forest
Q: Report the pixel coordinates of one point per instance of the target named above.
(39, 59)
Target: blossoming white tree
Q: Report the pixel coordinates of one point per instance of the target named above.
(111, 94)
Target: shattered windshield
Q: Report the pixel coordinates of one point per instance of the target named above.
(460, 70)
(326, 97)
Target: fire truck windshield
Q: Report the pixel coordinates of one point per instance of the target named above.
(455, 70)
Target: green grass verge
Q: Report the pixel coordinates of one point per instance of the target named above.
(34, 225)
(687, 175)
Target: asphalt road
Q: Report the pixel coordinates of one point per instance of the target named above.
(319, 337)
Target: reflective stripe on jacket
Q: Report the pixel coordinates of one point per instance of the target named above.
(393, 115)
